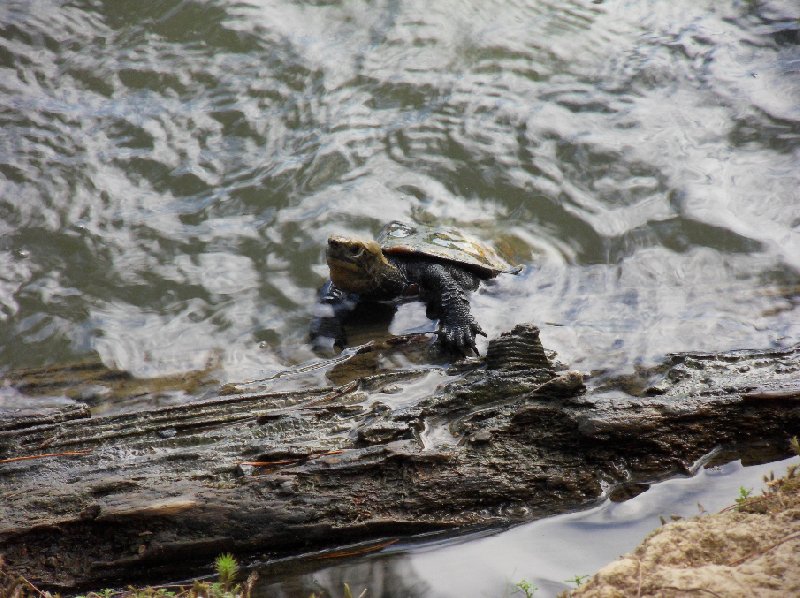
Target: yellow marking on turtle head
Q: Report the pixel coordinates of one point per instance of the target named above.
(355, 265)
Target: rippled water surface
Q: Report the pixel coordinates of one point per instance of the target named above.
(170, 171)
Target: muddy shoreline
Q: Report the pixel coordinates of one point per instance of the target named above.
(748, 549)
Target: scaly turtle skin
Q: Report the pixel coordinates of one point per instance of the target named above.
(441, 265)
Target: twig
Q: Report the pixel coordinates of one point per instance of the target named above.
(271, 463)
(251, 581)
(691, 590)
(43, 455)
(761, 551)
(358, 551)
(35, 589)
(639, 588)
(773, 395)
(751, 501)
(167, 586)
(339, 392)
(289, 461)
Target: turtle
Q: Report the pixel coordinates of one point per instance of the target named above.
(440, 265)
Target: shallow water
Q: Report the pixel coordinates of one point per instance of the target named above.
(170, 171)
(547, 553)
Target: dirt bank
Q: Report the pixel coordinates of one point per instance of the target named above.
(751, 549)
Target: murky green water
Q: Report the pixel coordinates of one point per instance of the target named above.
(169, 171)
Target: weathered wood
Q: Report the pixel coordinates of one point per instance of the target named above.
(505, 440)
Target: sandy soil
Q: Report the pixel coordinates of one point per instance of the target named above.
(751, 549)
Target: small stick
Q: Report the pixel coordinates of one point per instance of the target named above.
(358, 551)
(639, 587)
(35, 589)
(691, 590)
(270, 463)
(43, 455)
(288, 461)
(765, 550)
(774, 395)
(339, 392)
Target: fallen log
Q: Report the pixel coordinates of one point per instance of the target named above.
(505, 439)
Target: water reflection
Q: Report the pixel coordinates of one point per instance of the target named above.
(387, 577)
(170, 172)
(546, 553)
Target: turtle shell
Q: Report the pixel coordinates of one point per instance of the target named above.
(443, 243)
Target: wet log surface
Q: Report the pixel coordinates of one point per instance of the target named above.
(506, 439)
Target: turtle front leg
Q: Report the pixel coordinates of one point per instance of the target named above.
(445, 290)
(458, 328)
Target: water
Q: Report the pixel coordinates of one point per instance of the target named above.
(170, 171)
(546, 553)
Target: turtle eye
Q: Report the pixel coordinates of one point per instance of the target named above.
(357, 251)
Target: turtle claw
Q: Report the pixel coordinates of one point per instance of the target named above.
(460, 339)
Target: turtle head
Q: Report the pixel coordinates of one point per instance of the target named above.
(357, 266)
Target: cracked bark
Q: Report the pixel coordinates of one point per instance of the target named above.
(281, 473)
